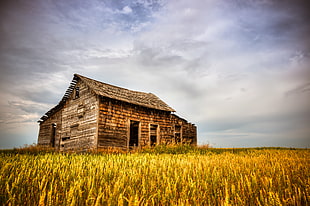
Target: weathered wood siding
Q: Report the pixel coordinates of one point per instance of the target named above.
(188, 130)
(80, 120)
(46, 131)
(91, 121)
(114, 124)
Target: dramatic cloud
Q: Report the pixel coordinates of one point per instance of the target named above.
(238, 69)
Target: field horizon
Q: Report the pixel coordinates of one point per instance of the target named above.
(163, 148)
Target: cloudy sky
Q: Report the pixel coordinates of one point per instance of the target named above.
(238, 69)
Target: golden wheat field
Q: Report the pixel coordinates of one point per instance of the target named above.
(211, 177)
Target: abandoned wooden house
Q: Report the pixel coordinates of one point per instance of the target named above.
(94, 115)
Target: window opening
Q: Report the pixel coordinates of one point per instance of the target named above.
(177, 134)
(134, 133)
(153, 134)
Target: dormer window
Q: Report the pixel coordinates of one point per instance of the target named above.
(77, 93)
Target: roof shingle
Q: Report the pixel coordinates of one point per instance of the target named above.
(148, 100)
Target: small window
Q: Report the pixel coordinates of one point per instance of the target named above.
(77, 93)
(178, 133)
(74, 131)
(153, 134)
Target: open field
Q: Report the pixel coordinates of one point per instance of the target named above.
(153, 177)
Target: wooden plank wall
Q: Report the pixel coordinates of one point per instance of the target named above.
(79, 120)
(188, 130)
(91, 122)
(114, 120)
(45, 131)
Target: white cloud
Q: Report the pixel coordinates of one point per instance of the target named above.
(232, 68)
(126, 10)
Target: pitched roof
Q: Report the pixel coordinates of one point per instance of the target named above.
(148, 100)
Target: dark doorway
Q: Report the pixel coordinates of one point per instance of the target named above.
(53, 137)
(153, 134)
(134, 133)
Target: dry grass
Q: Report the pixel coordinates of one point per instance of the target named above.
(179, 176)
